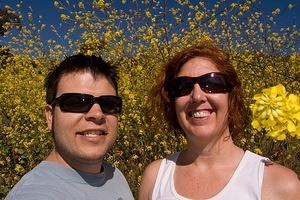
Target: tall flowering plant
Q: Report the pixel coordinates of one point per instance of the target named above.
(277, 112)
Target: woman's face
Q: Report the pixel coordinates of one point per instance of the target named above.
(201, 115)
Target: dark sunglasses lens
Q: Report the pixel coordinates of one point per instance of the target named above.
(111, 104)
(75, 103)
(181, 86)
(215, 84)
(209, 83)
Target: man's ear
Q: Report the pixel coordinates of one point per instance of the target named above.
(49, 116)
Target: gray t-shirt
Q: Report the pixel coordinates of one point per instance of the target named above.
(52, 181)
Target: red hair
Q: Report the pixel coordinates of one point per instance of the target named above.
(221, 60)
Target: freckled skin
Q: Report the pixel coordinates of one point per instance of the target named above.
(210, 158)
(212, 126)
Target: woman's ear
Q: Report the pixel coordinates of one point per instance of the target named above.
(49, 116)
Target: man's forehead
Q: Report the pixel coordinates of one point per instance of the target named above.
(83, 73)
(77, 79)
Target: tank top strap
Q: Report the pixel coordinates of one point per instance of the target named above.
(163, 186)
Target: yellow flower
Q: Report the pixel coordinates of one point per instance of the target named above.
(258, 151)
(233, 5)
(276, 112)
(199, 15)
(276, 11)
(19, 169)
(56, 3)
(256, 124)
(148, 13)
(100, 4)
(64, 17)
(81, 5)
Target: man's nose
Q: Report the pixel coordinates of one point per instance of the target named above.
(95, 113)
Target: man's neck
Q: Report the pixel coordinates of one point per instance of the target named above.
(92, 168)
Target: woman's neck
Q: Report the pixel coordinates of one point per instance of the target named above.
(217, 152)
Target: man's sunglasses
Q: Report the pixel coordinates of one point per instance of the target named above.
(82, 103)
(214, 82)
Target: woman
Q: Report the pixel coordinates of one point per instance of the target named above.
(201, 97)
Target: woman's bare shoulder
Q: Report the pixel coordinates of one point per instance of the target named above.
(154, 166)
(280, 182)
(148, 180)
(151, 170)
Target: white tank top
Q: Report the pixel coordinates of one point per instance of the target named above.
(245, 183)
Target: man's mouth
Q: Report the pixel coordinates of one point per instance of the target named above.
(93, 133)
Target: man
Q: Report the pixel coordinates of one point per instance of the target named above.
(82, 113)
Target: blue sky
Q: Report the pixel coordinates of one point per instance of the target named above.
(51, 14)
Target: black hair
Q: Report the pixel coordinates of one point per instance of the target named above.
(76, 63)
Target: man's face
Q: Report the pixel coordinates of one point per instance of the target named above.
(82, 139)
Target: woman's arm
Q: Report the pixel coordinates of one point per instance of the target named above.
(148, 180)
(280, 183)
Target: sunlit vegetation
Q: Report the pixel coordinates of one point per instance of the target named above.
(139, 37)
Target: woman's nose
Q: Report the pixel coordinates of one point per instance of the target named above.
(198, 94)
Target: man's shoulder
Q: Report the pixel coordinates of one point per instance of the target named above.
(34, 185)
(33, 177)
(33, 192)
(30, 187)
(44, 182)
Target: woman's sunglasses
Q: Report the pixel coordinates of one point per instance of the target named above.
(82, 103)
(214, 82)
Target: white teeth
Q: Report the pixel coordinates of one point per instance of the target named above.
(200, 114)
(92, 133)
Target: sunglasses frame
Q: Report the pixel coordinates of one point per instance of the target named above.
(173, 85)
(87, 102)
